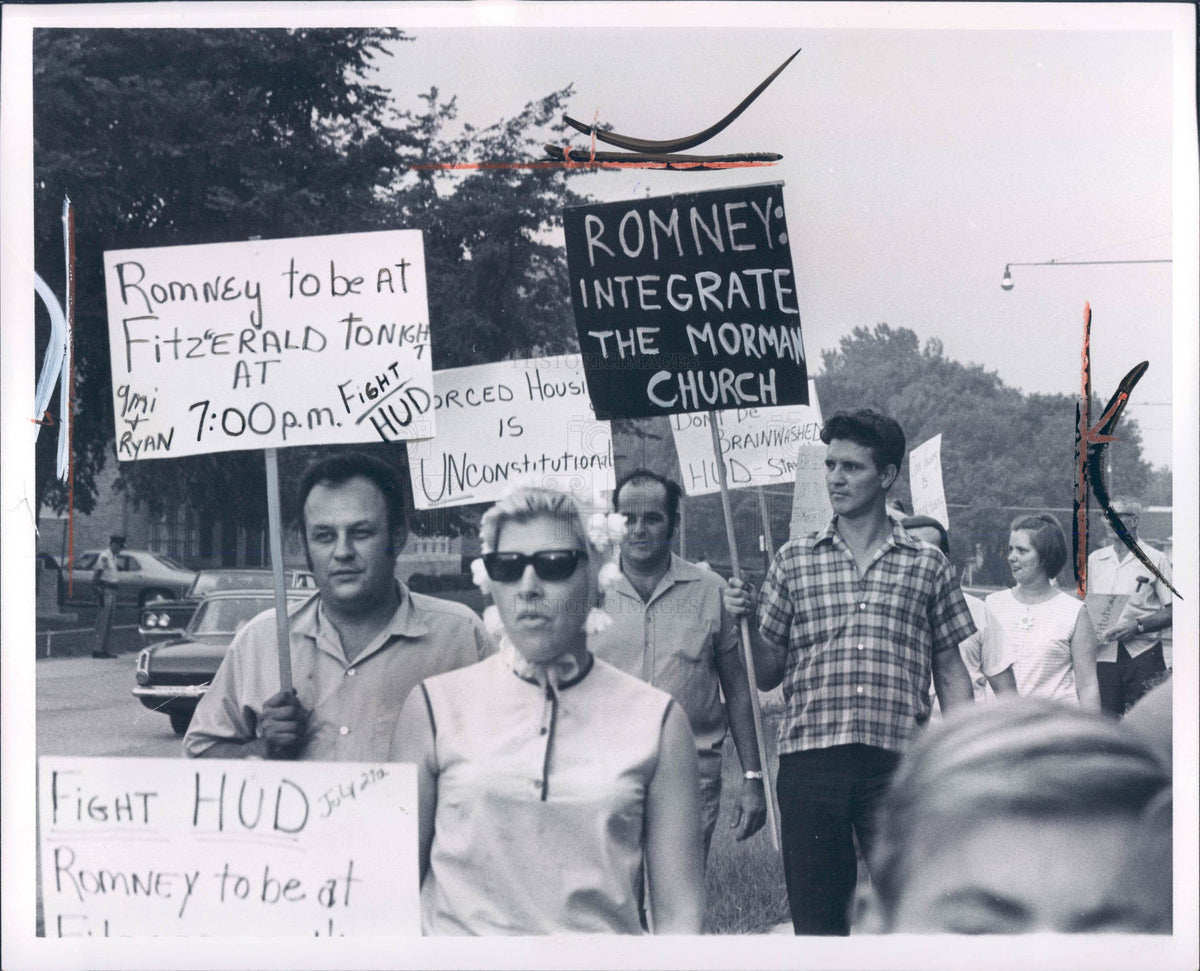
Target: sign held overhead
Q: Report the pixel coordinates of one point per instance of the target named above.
(509, 421)
(227, 346)
(686, 302)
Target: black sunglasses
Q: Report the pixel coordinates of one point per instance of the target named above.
(549, 565)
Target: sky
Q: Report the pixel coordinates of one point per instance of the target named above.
(916, 165)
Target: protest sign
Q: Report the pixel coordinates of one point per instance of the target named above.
(269, 343)
(214, 847)
(510, 421)
(811, 510)
(758, 445)
(1104, 609)
(925, 481)
(686, 302)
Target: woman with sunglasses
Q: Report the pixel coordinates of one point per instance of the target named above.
(556, 792)
(1049, 631)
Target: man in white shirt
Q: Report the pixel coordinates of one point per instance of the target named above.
(1130, 659)
(104, 579)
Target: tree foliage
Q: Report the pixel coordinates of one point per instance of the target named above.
(1001, 448)
(171, 137)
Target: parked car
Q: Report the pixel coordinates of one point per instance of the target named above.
(173, 676)
(142, 576)
(169, 618)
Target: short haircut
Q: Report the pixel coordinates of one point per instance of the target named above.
(1030, 758)
(529, 503)
(870, 429)
(116, 538)
(928, 522)
(353, 465)
(1047, 538)
(639, 476)
(1128, 505)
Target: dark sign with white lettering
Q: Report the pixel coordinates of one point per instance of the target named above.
(686, 302)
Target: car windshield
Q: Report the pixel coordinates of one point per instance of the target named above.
(168, 562)
(211, 580)
(227, 615)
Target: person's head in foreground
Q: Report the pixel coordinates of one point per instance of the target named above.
(543, 568)
(1020, 818)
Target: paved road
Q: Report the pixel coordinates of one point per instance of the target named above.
(84, 708)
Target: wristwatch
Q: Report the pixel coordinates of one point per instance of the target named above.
(753, 774)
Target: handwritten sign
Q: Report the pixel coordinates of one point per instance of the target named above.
(1105, 609)
(686, 302)
(309, 341)
(925, 481)
(758, 445)
(506, 422)
(168, 847)
(811, 510)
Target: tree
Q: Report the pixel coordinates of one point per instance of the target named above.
(170, 137)
(1001, 448)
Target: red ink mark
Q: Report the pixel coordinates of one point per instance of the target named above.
(1091, 443)
(69, 216)
(570, 163)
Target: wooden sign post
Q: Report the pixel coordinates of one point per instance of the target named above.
(747, 653)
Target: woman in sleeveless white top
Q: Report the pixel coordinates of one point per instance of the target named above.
(1049, 631)
(557, 794)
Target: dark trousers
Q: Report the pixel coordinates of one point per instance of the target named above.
(1125, 680)
(825, 796)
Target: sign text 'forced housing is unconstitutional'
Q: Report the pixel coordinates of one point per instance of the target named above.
(686, 302)
(317, 340)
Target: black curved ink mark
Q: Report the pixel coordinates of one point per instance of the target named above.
(1096, 440)
(687, 141)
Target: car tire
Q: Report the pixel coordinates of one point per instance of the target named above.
(180, 721)
(148, 596)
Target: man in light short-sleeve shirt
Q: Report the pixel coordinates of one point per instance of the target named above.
(358, 646)
(671, 629)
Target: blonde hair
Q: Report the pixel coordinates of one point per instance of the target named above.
(534, 502)
(1027, 757)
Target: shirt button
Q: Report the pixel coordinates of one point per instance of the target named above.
(861, 647)
(859, 689)
(350, 672)
(862, 606)
(345, 729)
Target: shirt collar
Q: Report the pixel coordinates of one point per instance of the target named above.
(679, 570)
(898, 537)
(311, 621)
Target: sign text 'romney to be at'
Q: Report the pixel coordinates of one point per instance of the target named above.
(686, 302)
(226, 848)
(507, 422)
(268, 343)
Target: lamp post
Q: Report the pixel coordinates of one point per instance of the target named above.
(1006, 283)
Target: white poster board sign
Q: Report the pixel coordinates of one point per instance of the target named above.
(498, 424)
(227, 848)
(311, 341)
(925, 481)
(758, 445)
(811, 510)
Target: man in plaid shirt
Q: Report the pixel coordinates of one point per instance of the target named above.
(851, 621)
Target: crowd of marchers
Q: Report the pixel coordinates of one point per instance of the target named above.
(569, 743)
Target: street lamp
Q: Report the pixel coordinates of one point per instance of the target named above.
(1006, 282)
